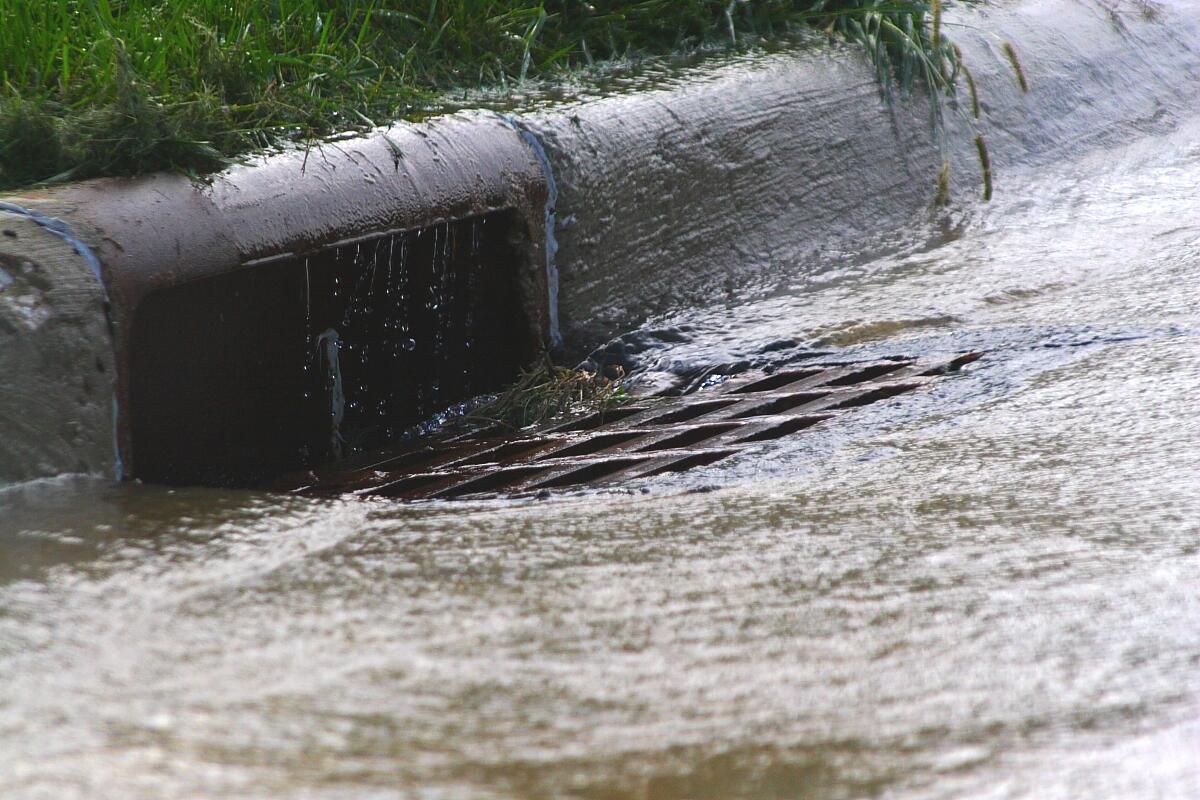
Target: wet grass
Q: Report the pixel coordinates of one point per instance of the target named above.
(545, 391)
(120, 87)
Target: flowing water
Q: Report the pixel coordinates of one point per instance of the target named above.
(988, 589)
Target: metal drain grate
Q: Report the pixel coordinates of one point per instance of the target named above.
(649, 436)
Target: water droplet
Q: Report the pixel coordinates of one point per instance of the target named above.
(410, 344)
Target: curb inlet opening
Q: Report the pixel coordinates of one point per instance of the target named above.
(302, 360)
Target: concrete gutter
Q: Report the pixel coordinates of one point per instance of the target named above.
(626, 206)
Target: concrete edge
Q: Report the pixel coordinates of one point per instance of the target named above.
(56, 353)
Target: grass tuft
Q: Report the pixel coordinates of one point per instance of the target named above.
(546, 391)
(119, 87)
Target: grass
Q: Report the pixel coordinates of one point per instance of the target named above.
(120, 87)
(545, 391)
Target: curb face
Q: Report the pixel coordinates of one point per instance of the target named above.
(775, 166)
(669, 198)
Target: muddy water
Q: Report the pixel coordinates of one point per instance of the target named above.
(991, 589)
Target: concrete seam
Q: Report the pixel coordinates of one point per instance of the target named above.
(63, 231)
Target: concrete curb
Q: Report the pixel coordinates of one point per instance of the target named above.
(701, 192)
(693, 193)
(56, 353)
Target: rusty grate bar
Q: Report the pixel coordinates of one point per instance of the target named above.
(647, 437)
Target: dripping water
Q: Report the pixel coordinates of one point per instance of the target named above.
(328, 345)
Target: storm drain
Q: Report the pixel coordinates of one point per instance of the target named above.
(645, 437)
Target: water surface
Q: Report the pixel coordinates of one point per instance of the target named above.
(989, 589)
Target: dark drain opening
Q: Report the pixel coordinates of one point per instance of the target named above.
(875, 395)
(504, 452)
(405, 486)
(953, 366)
(594, 444)
(489, 432)
(785, 428)
(691, 412)
(778, 380)
(494, 481)
(781, 404)
(590, 473)
(693, 461)
(691, 436)
(405, 461)
(605, 417)
(868, 374)
(294, 362)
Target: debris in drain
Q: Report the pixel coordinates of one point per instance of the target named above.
(648, 436)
